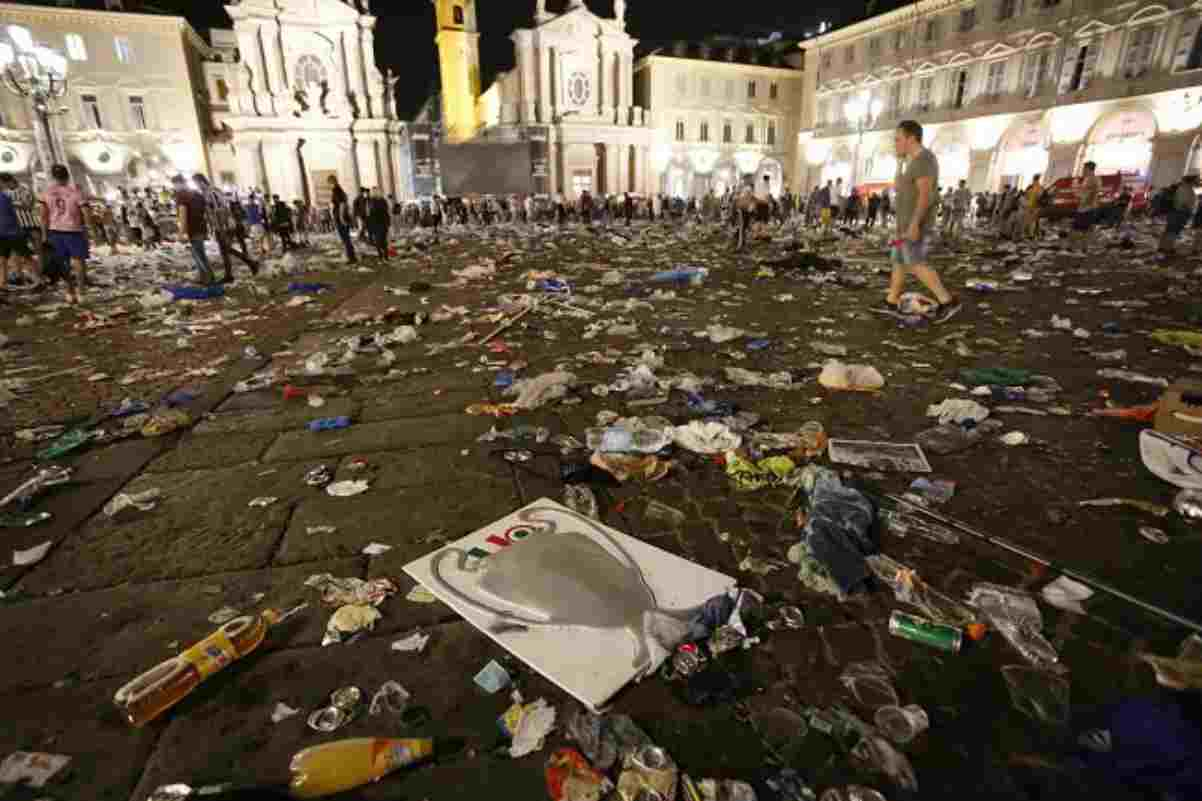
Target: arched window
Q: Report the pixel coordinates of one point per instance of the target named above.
(310, 73)
(457, 15)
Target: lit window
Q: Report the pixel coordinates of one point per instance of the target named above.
(137, 110)
(773, 90)
(125, 52)
(751, 90)
(680, 130)
(874, 46)
(91, 111)
(76, 50)
(704, 133)
(750, 137)
(728, 135)
(771, 132)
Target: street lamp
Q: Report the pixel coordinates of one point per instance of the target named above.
(38, 74)
(862, 111)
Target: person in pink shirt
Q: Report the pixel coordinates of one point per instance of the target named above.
(63, 222)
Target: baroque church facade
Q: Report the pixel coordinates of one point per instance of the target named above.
(570, 95)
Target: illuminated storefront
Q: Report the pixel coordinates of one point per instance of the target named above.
(1023, 155)
(1122, 143)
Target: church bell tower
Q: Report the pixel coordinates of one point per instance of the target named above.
(459, 65)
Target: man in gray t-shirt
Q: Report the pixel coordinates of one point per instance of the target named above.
(917, 178)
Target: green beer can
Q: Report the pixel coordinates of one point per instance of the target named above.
(916, 629)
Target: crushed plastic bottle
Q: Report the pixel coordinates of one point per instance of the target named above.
(681, 276)
(1015, 614)
(162, 687)
(343, 765)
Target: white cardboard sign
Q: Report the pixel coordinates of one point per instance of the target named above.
(571, 597)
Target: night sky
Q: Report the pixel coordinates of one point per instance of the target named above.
(405, 32)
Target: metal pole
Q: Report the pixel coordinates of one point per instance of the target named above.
(1084, 578)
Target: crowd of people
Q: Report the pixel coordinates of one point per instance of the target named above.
(47, 238)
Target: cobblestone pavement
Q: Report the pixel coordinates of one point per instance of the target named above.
(116, 596)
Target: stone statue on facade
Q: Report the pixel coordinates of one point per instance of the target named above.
(620, 13)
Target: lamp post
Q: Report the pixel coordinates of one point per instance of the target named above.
(38, 74)
(862, 111)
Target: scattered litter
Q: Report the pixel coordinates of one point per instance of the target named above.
(346, 489)
(414, 643)
(492, 678)
(282, 712)
(31, 556)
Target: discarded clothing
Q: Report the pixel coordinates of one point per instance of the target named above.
(838, 528)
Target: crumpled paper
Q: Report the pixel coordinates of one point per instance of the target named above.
(958, 410)
(706, 437)
(851, 377)
(528, 725)
(541, 390)
(341, 591)
(348, 620)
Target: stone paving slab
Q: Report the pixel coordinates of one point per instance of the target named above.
(393, 435)
(128, 629)
(202, 525)
(119, 460)
(71, 505)
(421, 384)
(292, 415)
(436, 464)
(107, 754)
(405, 518)
(215, 450)
(230, 714)
(438, 401)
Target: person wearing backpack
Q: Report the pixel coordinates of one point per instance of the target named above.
(1185, 202)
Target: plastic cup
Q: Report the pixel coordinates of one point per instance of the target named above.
(901, 724)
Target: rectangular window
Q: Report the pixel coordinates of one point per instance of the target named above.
(995, 80)
(680, 130)
(968, 19)
(704, 133)
(125, 53)
(728, 135)
(771, 132)
(960, 90)
(137, 111)
(750, 138)
(1006, 10)
(76, 49)
(1079, 67)
(874, 46)
(582, 182)
(931, 33)
(91, 112)
(1141, 50)
(1036, 72)
(457, 15)
(751, 90)
(773, 91)
(899, 40)
(849, 54)
(1189, 46)
(925, 87)
(895, 97)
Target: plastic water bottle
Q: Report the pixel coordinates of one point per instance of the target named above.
(687, 276)
(329, 424)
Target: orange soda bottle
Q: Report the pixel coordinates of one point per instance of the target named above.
(335, 767)
(162, 687)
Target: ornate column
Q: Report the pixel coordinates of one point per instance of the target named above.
(979, 162)
(1170, 156)
(545, 101)
(613, 169)
(277, 83)
(605, 97)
